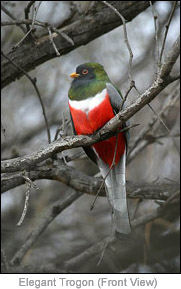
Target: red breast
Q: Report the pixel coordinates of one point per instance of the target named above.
(87, 121)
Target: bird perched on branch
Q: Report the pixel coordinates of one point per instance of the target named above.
(93, 101)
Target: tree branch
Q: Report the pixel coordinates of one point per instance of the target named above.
(33, 81)
(125, 40)
(7, 12)
(97, 248)
(27, 11)
(143, 134)
(34, 235)
(98, 21)
(60, 206)
(68, 142)
(87, 184)
(167, 27)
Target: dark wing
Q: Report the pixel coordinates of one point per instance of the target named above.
(116, 100)
(115, 97)
(91, 154)
(73, 127)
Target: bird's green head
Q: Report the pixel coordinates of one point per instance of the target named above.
(89, 79)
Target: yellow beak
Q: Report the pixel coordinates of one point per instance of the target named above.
(74, 75)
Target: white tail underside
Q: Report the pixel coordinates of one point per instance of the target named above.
(116, 193)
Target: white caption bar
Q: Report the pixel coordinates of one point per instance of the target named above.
(95, 281)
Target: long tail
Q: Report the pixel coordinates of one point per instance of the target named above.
(116, 192)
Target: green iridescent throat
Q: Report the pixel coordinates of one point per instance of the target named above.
(86, 90)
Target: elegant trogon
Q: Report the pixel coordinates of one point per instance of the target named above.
(93, 101)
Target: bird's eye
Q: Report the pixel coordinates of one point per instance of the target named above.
(85, 71)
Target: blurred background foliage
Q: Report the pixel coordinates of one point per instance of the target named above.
(23, 131)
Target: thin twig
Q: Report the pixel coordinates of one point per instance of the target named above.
(41, 24)
(78, 155)
(167, 105)
(26, 204)
(155, 18)
(35, 14)
(52, 41)
(29, 184)
(21, 40)
(104, 179)
(63, 34)
(136, 209)
(170, 180)
(159, 118)
(15, 22)
(61, 129)
(27, 22)
(125, 37)
(36, 233)
(32, 26)
(4, 259)
(108, 240)
(33, 81)
(58, 130)
(176, 135)
(27, 10)
(165, 126)
(141, 221)
(98, 192)
(12, 17)
(167, 28)
(105, 244)
(132, 82)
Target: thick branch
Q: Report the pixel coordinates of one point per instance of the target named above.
(146, 136)
(60, 206)
(69, 142)
(53, 213)
(98, 247)
(162, 80)
(87, 184)
(99, 20)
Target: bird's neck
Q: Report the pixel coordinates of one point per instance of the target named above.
(81, 91)
(89, 103)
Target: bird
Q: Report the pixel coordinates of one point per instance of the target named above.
(93, 100)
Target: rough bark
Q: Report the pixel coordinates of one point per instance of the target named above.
(97, 21)
(87, 184)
